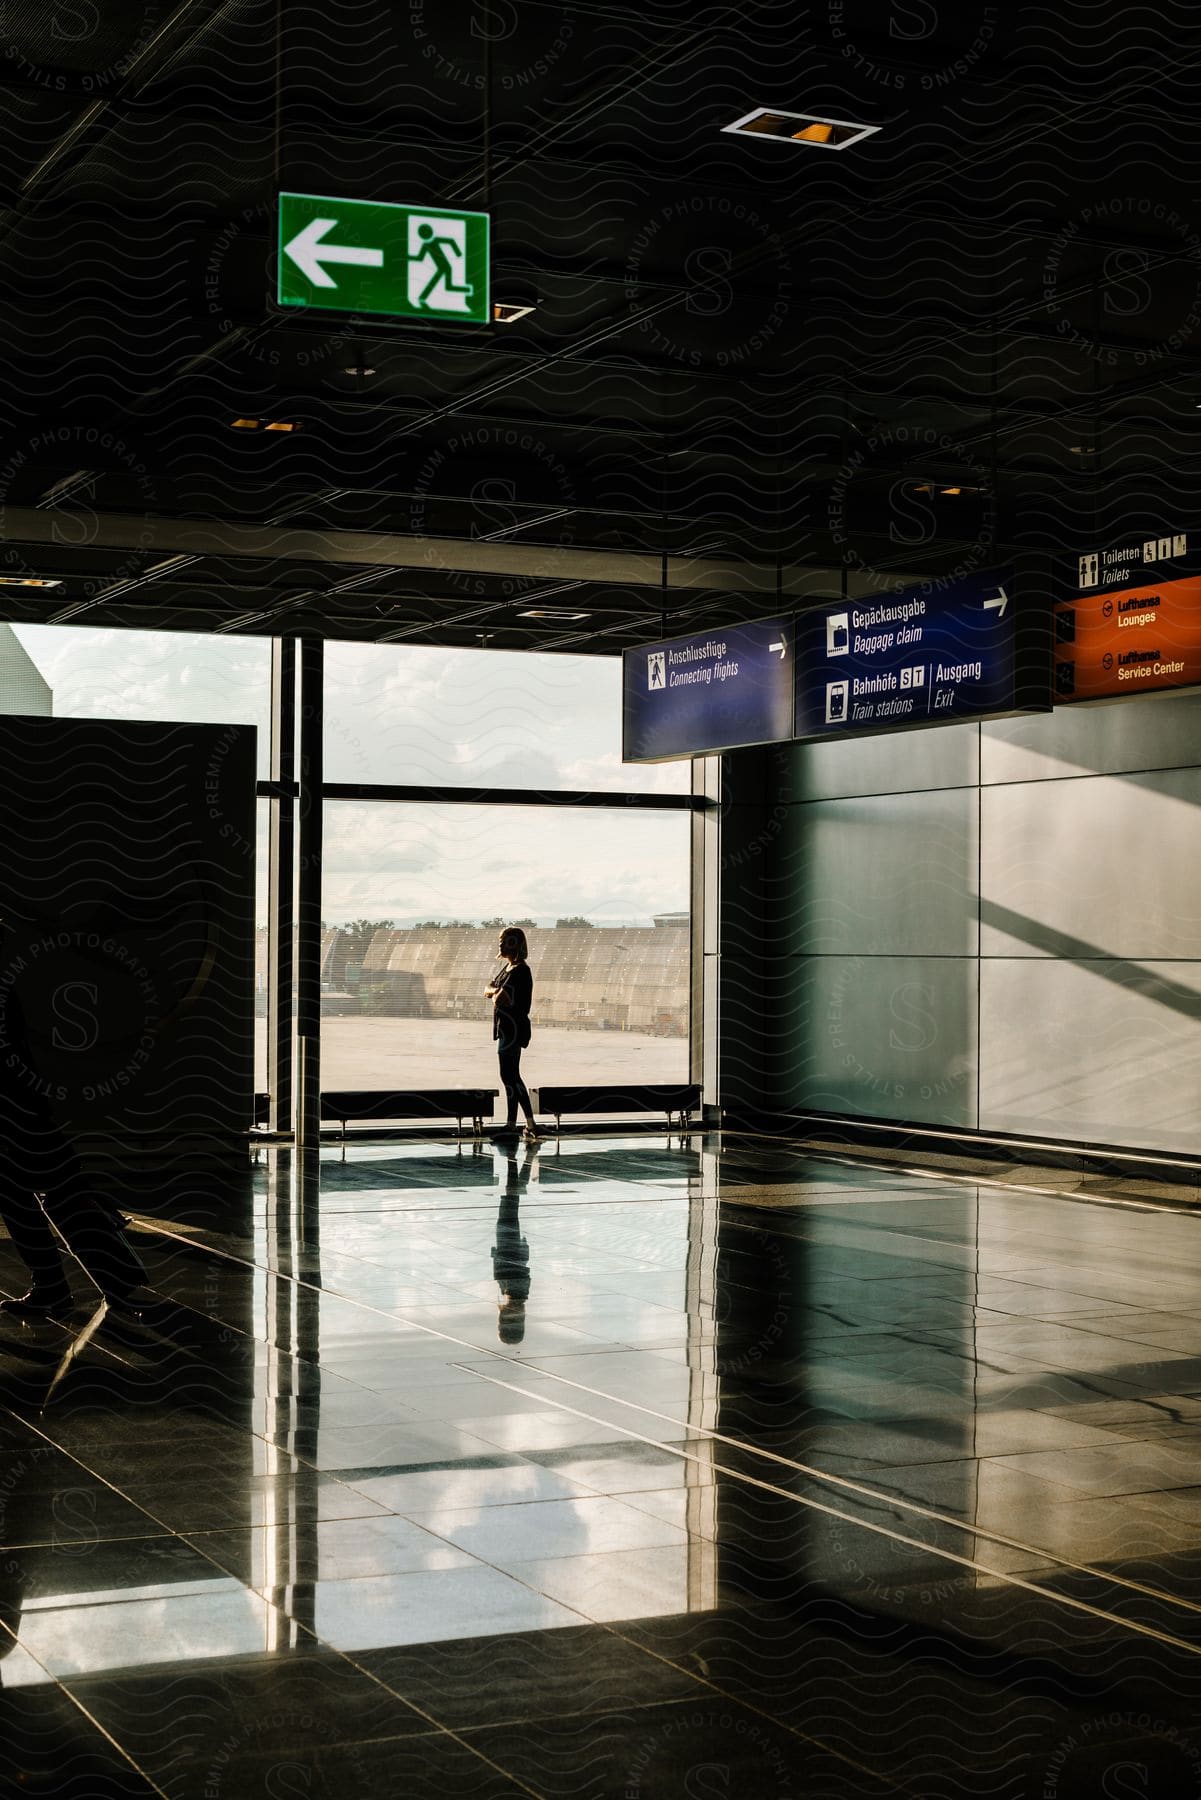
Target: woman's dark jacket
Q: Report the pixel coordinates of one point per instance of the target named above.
(511, 1018)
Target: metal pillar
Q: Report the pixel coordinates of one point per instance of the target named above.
(308, 897)
(281, 883)
(704, 1024)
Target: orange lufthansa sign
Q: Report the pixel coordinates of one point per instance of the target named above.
(1129, 641)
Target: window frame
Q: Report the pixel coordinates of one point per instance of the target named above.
(298, 794)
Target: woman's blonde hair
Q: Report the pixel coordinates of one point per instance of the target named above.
(513, 944)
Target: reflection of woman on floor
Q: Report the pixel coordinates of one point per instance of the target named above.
(511, 993)
(511, 1253)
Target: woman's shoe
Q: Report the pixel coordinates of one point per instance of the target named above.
(534, 1134)
(40, 1303)
(121, 1297)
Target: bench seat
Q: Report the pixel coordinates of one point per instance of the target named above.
(362, 1106)
(676, 1099)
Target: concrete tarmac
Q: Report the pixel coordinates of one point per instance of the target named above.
(412, 1053)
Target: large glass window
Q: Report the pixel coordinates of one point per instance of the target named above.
(86, 672)
(404, 716)
(414, 893)
(413, 897)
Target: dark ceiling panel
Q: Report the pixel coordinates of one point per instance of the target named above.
(740, 347)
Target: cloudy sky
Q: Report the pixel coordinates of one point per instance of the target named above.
(408, 715)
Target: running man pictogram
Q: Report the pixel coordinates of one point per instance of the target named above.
(438, 255)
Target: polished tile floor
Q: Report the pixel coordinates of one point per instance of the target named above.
(613, 1469)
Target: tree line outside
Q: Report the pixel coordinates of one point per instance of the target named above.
(361, 931)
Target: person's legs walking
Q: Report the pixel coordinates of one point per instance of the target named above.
(91, 1228)
(94, 1234)
(22, 1167)
(33, 1240)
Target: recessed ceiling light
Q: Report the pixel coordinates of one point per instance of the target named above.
(267, 424)
(358, 369)
(40, 581)
(800, 128)
(553, 612)
(245, 424)
(507, 313)
(1082, 449)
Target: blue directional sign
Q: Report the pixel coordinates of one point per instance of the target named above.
(715, 690)
(926, 656)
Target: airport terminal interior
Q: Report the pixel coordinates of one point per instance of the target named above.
(697, 503)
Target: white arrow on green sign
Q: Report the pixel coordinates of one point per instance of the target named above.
(370, 256)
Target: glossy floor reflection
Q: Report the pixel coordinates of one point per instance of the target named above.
(609, 1469)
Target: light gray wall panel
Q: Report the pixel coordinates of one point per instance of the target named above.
(878, 1037)
(947, 756)
(1151, 732)
(1098, 1052)
(893, 875)
(1073, 838)
(1105, 867)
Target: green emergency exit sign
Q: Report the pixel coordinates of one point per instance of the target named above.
(367, 256)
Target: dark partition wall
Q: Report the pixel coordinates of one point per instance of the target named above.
(127, 938)
(993, 927)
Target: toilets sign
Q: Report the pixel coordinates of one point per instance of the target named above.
(365, 256)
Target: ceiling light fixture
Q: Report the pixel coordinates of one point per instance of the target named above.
(800, 128)
(245, 424)
(553, 612)
(358, 369)
(39, 581)
(267, 424)
(1082, 449)
(505, 312)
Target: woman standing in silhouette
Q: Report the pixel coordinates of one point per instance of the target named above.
(511, 993)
